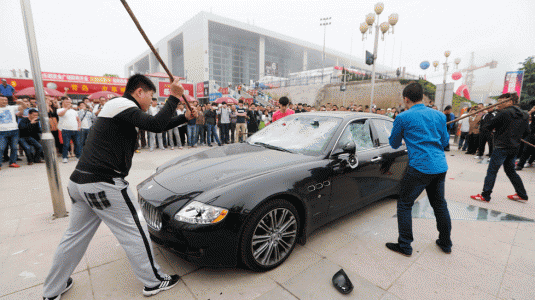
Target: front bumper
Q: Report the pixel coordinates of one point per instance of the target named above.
(207, 245)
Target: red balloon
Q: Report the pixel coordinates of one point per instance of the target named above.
(456, 75)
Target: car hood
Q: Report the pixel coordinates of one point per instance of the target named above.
(220, 166)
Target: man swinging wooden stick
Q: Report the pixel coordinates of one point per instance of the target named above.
(99, 191)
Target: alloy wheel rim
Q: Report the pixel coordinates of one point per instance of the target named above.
(274, 236)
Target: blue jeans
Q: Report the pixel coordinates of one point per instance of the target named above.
(33, 149)
(11, 137)
(192, 130)
(67, 136)
(200, 136)
(225, 128)
(412, 185)
(505, 157)
(463, 139)
(83, 137)
(211, 132)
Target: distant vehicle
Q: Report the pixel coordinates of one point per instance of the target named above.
(253, 202)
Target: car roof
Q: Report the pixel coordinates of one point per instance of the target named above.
(345, 114)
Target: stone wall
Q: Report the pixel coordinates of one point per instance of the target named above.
(388, 93)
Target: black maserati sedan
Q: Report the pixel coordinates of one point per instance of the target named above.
(252, 202)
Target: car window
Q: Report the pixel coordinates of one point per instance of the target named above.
(299, 133)
(358, 132)
(383, 129)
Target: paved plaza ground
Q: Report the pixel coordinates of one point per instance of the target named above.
(490, 259)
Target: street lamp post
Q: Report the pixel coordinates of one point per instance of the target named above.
(325, 23)
(446, 66)
(384, 27)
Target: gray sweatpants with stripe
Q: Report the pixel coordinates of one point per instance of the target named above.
(113, 204)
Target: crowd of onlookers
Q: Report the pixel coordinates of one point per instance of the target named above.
(215, 124)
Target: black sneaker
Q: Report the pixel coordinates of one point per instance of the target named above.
(396, 248)
(67, 287)
(170, 282)
(443, 248)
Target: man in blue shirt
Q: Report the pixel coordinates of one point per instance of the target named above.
(7, 91)
(425, 134)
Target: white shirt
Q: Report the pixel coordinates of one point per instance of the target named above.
(225, 115)
(465, 124)
(8, 118)
(68, 121)
(153, 110)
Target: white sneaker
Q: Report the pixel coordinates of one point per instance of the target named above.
(151, 149)
(172, 148)
(65, 160)
(478, 157)
(528, 165)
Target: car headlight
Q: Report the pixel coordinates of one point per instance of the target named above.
(199, 213)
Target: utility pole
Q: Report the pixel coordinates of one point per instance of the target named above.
(324, 24)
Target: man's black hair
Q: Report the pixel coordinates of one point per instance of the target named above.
(447, 107)
(223, 103)
(31, 111)
(513, 96)
(284, 101)
(85, 98)
(414, 92)
(139, 81)
(240, 101)
(154, 99)
(64, 98)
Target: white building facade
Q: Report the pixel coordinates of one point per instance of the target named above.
(225, 51)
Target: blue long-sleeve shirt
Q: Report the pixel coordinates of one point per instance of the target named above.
(425, 134)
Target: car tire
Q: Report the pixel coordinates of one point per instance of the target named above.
(266, 245)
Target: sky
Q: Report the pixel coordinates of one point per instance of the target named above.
(97, 37)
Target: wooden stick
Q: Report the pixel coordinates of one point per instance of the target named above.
(476, 112)
(528, 143)
(171, 77)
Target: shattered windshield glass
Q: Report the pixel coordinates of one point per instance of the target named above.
(304, 134)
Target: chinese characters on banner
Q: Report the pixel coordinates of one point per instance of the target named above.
(202, 89)
(513, 82)
(75, 88)
(83, 78)
(163, 89)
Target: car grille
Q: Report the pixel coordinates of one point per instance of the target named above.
(151, 214)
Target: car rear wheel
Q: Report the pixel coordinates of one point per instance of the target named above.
(270, 235)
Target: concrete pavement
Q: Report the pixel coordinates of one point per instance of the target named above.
(490, 260)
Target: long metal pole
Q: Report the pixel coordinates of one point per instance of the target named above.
(444, 82)
(323, 56)
(374, 61)
(52, 171)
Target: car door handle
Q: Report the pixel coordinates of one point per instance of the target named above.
(375, 159)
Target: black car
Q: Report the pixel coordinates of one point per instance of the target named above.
(252, 202)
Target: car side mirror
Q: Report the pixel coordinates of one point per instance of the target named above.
(350, 147)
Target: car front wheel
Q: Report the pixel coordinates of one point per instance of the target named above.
(270, 235)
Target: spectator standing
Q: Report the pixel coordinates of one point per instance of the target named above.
(224, 116)
(154, 109)
(182, 128)
(174, 135)
(529, 151)
(511, 125)
(252, 120)
(473, 133)
(449, 116)
(192, 132)
(29, 130)
(233, 120)
(52, 107)
(69, 124)
(210, 116)
(98, 107)
(200, 137)
(465, 128)
(9, 130)
(7, 91)
(241, 122)
(86, 121)
(283, 109)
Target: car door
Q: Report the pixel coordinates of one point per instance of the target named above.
(354, 186)
(394, 161)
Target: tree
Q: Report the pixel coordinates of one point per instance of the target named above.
(528, 87)
(110, 75)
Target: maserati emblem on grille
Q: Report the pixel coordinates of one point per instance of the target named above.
(318, 186)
